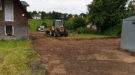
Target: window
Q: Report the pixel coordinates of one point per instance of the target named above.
(0, 4)
(9, 11)
(9, 30)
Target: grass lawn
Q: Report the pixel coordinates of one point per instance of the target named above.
(34, 24)
(15, 57)
(73, 35)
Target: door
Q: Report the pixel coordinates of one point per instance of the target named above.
(9, 13)
(9, 30)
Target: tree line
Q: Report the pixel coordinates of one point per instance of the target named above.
(107, 15)
(53, 15)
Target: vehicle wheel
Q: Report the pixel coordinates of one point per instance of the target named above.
(51, 33)
(66, 34)
(62, 35)
(55, 34)
(47, 32)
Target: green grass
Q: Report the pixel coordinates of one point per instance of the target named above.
(34, 24)
(73, 35)
(15, 57)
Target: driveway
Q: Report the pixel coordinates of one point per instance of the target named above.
(83, 56)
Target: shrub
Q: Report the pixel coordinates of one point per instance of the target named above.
(114, 31)
(68, 24)
(44, 24)
(134, 22)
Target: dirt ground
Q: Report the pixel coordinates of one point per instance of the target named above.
(83, 56)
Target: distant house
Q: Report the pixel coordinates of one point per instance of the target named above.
(131, 5)
(13, 20)
(37, 16)
(91, 26)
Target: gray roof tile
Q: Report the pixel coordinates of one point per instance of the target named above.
(24, 3)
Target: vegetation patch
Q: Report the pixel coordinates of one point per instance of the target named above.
(85, 30)
(74, 35)
(114, 31)
(16, 58)
(34, 24)
(134, 22)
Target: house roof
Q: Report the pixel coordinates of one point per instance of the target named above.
(25, 4)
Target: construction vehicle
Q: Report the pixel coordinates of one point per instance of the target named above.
(57, 29)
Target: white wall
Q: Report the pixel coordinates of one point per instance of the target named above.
(128, 35)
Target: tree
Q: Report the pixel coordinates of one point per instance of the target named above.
(29, 14)
(34, 13)
(107, 13)
(83, 15)
(78, 22)
(43, 14)
(69, 16)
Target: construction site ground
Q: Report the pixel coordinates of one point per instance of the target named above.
(102, 56)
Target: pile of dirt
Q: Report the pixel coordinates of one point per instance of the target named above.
(83, 57)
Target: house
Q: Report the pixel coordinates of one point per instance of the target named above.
(130, 5)
(13, 20)
(91, 26)
(128, 34)
(132, 2)
(37, 16)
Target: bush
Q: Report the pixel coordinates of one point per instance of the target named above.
(44, 24)
(133, 22)
(85, 31)
(114, 31)
(69, 24)
(78, 22)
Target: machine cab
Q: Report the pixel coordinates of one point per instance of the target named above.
(58, 23)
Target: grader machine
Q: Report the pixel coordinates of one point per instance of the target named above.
(57, 29)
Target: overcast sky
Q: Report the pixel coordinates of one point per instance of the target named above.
(64, 6)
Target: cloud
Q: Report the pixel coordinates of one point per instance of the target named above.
(65, 6)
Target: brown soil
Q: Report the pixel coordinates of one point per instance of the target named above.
(83, 56)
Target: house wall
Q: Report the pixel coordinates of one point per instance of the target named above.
(1, 13)
(128, 34)
(20, 23)
(2, 21)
